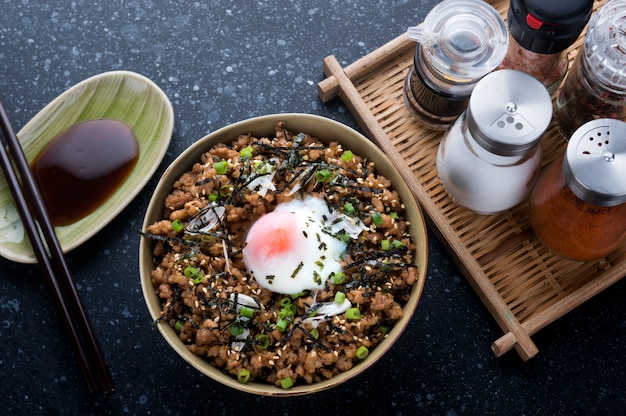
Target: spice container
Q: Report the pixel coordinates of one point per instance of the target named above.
(489, 159)
(540, 33)
(596, 85)
(577, 207)
(459, 42)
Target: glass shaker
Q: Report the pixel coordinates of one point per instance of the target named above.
(596, 84)
(540, 33)
(459, 42)
(489, 159)
(577, 207)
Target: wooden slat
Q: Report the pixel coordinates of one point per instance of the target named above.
(523, 285)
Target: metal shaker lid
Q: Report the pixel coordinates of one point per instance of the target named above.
(594, 165)
(508, 112)
(548, 26)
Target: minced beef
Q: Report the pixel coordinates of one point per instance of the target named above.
(198, 269)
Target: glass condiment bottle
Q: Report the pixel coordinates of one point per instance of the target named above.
(459, 42)
(490, 157)
(596, 84)
(578, 206)
(540, 32)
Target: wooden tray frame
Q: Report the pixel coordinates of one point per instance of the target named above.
(523, 285)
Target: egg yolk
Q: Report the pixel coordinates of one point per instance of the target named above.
(271, 236)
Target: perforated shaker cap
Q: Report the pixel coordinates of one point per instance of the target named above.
(508, 112)
(594, 165)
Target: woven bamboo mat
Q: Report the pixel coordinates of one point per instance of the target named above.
(524, 286)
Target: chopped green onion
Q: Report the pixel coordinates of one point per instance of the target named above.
(177, 225)
(221, 167)
(377, 219)
(286, 382)
(285, 313)
(246, 311)
(322, 175)
(281, 325)
(348, 208)
(340, 297)
(246, 152)
(263, 341)
(213, 196)
(236, 330)
(297, 295)
(384, 329)
(347, 155)
(179, 325)
(345, 237)
(261, 167)
(394, 215)
(353, 314)
(385, 244)
(191, 272)
(285, 302)
(397, 243)
(362, 352)
(315, 333)
(225, 190)
(243, 376)
(339, 278)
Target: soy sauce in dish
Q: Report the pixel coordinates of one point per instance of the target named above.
(81, 168)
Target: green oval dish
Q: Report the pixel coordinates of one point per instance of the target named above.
(120, 95)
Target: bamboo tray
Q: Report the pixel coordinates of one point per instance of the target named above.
(523, 285)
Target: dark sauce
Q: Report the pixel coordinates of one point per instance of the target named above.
(83, 166)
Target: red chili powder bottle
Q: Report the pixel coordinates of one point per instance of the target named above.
(578, 205)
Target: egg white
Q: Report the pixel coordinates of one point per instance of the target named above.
(314, 255)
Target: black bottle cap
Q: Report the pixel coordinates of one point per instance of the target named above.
(548, 26)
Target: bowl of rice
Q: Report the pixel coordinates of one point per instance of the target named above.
(282, 255)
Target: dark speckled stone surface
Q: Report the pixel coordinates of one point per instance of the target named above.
(220, 62)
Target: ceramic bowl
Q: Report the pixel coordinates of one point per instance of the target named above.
(325, 130)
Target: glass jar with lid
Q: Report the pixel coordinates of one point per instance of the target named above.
(540, 33)
(596, 84)
(459, 42)
(578, 206)
(489, 158)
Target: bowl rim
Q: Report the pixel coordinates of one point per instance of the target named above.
(259, 126)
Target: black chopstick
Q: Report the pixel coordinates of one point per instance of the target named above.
(33, 213)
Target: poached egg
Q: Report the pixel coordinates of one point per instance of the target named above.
(295, 247)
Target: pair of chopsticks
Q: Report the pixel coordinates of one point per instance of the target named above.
(50, 257)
